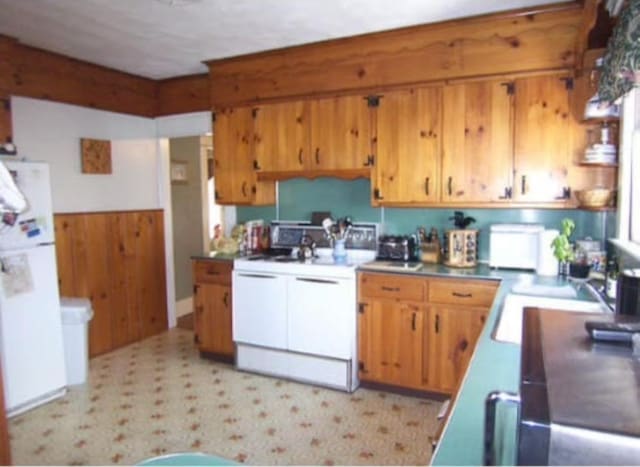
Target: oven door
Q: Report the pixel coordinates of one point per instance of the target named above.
(260, 309)
(321, 319)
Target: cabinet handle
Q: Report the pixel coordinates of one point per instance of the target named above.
(225, 299)
(437, 324)
(426, 186)
(316, 281)
(413, 321)
(199, 309)
(523, 184)
(490, 404)
(390, 289)
(258, 276)
(449, 187)
(256, 165)
(317, 155)
(244, 189)
(300, 156)
(461, 295)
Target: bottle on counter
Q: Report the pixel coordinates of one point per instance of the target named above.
(611, 278)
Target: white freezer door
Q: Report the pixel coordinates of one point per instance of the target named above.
(35, 225)
(322, 315)
(260, 309)
(30, 325)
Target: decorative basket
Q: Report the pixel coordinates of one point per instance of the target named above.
(594, 198)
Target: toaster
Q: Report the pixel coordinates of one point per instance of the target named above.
(397, 248)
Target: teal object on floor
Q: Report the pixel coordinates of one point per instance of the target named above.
(187, 458)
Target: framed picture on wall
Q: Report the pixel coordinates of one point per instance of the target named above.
(179, 173)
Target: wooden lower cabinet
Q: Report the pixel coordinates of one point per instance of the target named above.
(450, 340)
(212, 308)
(419, 343)
(390, 345)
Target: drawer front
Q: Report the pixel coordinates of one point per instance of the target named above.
(212, 272)
(392, 286)
(462, 292)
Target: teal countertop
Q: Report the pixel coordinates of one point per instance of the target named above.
(493, 366)
(217, 256)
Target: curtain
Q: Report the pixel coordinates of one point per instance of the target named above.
(621, 67)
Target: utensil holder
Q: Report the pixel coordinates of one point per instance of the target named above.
(339, 250)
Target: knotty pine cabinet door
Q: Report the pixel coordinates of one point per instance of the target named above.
(451, 334)
(407, 164)
(543, 137)
(390, 340)
(477, 142)
(233, 155)
(282, 137)
(340, 133)
(212, 303)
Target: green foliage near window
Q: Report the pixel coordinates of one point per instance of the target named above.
(562, 248)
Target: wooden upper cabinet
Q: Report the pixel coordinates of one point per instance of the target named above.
(542, 147)
(234, 172)
(282, 137)
(340, 133)
(407, 166)
(477, 142)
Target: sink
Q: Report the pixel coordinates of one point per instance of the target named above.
(509, 326)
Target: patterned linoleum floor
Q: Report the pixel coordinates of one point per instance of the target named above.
(158, 397)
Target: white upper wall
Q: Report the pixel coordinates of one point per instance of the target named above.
(191, 124)
(51, 132)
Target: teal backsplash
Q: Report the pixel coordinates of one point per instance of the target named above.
(300, 197)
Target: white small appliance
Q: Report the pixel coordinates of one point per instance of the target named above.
(514, 246)
(31, 345)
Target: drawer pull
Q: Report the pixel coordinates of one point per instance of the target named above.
(437, 324)
(390, 289)
(213, 272)
(462, 295)
(413, 321)
(316, 281)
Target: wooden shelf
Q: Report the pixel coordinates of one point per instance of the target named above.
(602, 208)
(597, 164)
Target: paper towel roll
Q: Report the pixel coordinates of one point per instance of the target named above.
(547, 264)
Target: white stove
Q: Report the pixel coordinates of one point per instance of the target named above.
(297, 319)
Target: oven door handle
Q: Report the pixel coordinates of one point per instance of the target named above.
(490, 404)
(316, 281)
(257, 276)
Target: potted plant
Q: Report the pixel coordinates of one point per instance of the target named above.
(575, 262)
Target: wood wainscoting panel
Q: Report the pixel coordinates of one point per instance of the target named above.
(116, 259)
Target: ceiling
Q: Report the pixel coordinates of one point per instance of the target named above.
(166, 38)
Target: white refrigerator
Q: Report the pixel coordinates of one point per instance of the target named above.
(33, 367)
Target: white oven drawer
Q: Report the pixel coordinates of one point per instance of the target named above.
(321, 316)
(260, 309)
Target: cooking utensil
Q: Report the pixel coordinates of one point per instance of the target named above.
(327, 225)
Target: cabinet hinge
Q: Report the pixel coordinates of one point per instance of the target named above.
(254, 112)
(195, 288)
(7, 104)
(566, 193)
(371, 159)
(376, 194)
(213, 116)
(361, 366)
(216, 195)
(373, 101)
(361, 307)
(256, 165)
(568, 83)
(510, 87)
(196, 339)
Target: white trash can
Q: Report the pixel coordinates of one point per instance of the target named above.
(76, 314)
